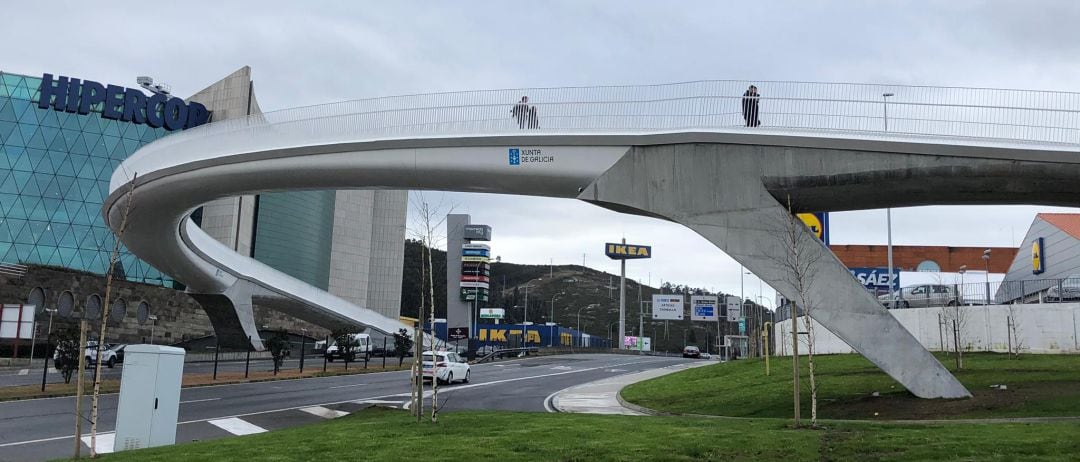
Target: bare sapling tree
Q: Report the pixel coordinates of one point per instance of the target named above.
(796, 264)
(1016, 332)
(428, 222)
(105, 310)
(955, 318)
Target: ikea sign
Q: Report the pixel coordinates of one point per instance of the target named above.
(627, 251)
(118, 103)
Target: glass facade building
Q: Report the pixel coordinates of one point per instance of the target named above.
(55, 169)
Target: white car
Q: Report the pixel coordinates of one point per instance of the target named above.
(108, 355)
(446, 367)
(706, 356)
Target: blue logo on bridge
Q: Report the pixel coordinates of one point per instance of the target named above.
(515, 156)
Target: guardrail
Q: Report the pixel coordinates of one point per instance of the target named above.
(805, 108)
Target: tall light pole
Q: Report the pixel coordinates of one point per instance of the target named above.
(986, 258)
(153, 320)
(579, 318)
(525, 319)
(48, 334)
(888, 225)
(960, 293)
(885, 104)
(552, 319)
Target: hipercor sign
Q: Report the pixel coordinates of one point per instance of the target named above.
(119, 103)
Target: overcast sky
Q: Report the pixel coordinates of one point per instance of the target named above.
(306, 53)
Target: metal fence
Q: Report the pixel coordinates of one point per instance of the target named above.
(989, 293)
(801, 108)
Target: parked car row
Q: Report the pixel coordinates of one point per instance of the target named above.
(110, 356)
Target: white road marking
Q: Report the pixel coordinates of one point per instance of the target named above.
(24, 372)
(561, 368)
(199, 400)
(237, 426)
(377, 401)
(347, 386)
(324, 412)
(616, 370)
(104, 442)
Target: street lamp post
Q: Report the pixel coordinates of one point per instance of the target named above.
(960, 293)
(525, 318)
(885, 102)
(303, 343)
(986, 258)
(609, 326)
(153, 320)
(579, 320)
(48, 334)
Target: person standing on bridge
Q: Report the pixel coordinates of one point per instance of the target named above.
(750, 107)
(521, 111)
(534, 119)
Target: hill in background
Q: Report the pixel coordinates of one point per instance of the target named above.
(573, 288)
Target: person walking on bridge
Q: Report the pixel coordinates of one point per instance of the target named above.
(750, 107)
(521, 111)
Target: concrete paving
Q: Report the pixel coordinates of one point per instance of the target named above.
(602, 396)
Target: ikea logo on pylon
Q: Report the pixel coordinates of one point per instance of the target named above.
(627, 251)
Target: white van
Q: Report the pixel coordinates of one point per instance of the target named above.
(362, 350)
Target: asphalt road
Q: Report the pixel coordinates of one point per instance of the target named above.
(43, 429)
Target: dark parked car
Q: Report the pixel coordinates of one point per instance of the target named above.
(691, 352)
(1069, 289)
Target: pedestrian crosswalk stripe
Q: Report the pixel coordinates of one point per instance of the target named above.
(237, 426)
(324, 412)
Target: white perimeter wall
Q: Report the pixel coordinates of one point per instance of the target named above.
(1041, 328)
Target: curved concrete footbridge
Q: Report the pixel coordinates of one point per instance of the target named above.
(684, 158)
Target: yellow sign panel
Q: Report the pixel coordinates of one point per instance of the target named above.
(814, 223)
(627, 251)
(1036, 256)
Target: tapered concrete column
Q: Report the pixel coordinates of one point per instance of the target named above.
(719, 191)
(233, 315)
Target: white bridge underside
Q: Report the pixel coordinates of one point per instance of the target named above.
(180, 172)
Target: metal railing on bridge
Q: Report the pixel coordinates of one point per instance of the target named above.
(800, 108)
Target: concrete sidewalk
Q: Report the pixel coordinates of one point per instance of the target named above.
(602, 396)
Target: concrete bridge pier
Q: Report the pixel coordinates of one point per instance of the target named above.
(719, 191)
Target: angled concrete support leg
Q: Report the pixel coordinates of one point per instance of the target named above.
(233, 316)
(718, 191)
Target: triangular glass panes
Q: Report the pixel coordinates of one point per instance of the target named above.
(67, 255)
(78, 146)
(33, 207)
(88, 188)
(5, 232)
(11, 256)
(25, 251)
(35, 155)
(47, 118)
(21, 179)
(7, 202)
(74, 236)
(46, 238)
(7, 112)
(5, 130)
(54, 258)
(22, 232)
(20, 160)
(37, 141)
(4, 248)
(7, 183)
(63, 185)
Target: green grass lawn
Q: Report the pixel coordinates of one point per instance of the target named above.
(1037, 385)
(379, 434)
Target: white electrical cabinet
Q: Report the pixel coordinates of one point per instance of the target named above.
(149, 397)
